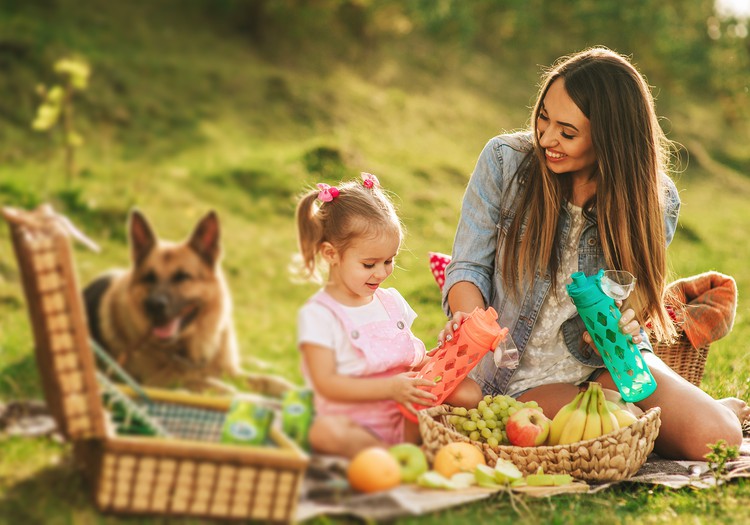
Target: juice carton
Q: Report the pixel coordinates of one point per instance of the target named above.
(297, 414)
(246, 423)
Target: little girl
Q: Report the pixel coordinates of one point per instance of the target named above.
(358, 351)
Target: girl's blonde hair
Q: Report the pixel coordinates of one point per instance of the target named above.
(355, 212)
(632, 156)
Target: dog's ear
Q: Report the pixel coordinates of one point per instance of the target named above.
(205, 238)
(142, 238)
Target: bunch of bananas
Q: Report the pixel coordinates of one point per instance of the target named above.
(588, 416)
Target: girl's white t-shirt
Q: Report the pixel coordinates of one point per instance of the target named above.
(317, 325)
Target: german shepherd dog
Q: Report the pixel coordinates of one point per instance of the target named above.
(168, 318)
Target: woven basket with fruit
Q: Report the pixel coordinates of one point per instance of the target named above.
(592, 438)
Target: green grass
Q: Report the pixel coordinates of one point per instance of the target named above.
(185, 114)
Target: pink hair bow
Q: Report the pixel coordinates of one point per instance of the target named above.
(327, 193)
(369, 180)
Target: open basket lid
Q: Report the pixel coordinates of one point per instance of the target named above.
(58, 320)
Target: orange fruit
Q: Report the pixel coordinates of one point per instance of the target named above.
(372, 470)
(457, 457)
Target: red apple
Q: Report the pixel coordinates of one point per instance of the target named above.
(528, 427)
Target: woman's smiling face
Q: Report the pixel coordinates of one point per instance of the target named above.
(565, 134)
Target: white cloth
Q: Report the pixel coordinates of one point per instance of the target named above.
(547, 359)
(316, 324)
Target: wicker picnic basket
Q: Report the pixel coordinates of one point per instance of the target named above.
(682, 357)
(188, 473)
(614, 456)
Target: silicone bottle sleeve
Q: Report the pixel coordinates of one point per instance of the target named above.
(621, 357)
(447, 367)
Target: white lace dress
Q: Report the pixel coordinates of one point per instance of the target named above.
(546, 358)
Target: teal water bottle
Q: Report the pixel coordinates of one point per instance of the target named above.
(621, 357)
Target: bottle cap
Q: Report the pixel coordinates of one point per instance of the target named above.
(585, 291)
(482, 328)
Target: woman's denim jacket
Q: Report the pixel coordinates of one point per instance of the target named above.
(489, 206)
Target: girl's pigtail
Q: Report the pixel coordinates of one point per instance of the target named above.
(309, 234)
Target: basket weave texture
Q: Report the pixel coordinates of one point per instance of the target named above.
(134, 474)
(614, 456)
(58, 321)
(682, 357)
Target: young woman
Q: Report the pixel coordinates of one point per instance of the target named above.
(585, 188)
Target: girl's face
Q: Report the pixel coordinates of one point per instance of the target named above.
(565, 134)
(358, 272)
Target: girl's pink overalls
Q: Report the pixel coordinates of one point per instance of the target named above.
(388, 348)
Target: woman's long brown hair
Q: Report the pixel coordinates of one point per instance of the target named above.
(632, 154)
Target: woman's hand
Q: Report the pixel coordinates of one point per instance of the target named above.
(446, 334)
(404, 388)
(628, 326)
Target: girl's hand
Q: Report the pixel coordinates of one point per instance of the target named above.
(446, 334)
(628, 326)
(404, 388)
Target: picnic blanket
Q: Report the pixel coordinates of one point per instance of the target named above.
(706, 305)
(325, 491)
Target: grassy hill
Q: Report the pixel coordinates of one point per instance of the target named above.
(193, 107)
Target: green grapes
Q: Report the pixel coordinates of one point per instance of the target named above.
(486, 422)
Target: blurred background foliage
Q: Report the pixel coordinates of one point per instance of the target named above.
(684, 48)
(238, 105)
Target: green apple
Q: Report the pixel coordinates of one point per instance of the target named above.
(548, 480)
(411, 460)
(506, 471)
(485, 476)
(433, 479)
(463, 480)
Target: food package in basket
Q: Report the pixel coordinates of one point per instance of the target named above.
(246, 423)
(451, 363)
(614, 456)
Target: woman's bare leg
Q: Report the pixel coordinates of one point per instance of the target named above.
(690, 418)
(738, 406)
(467, 394)
(551, 398)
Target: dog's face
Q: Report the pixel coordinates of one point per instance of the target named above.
(175, 288)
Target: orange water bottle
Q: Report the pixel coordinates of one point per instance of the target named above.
(450, 364)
